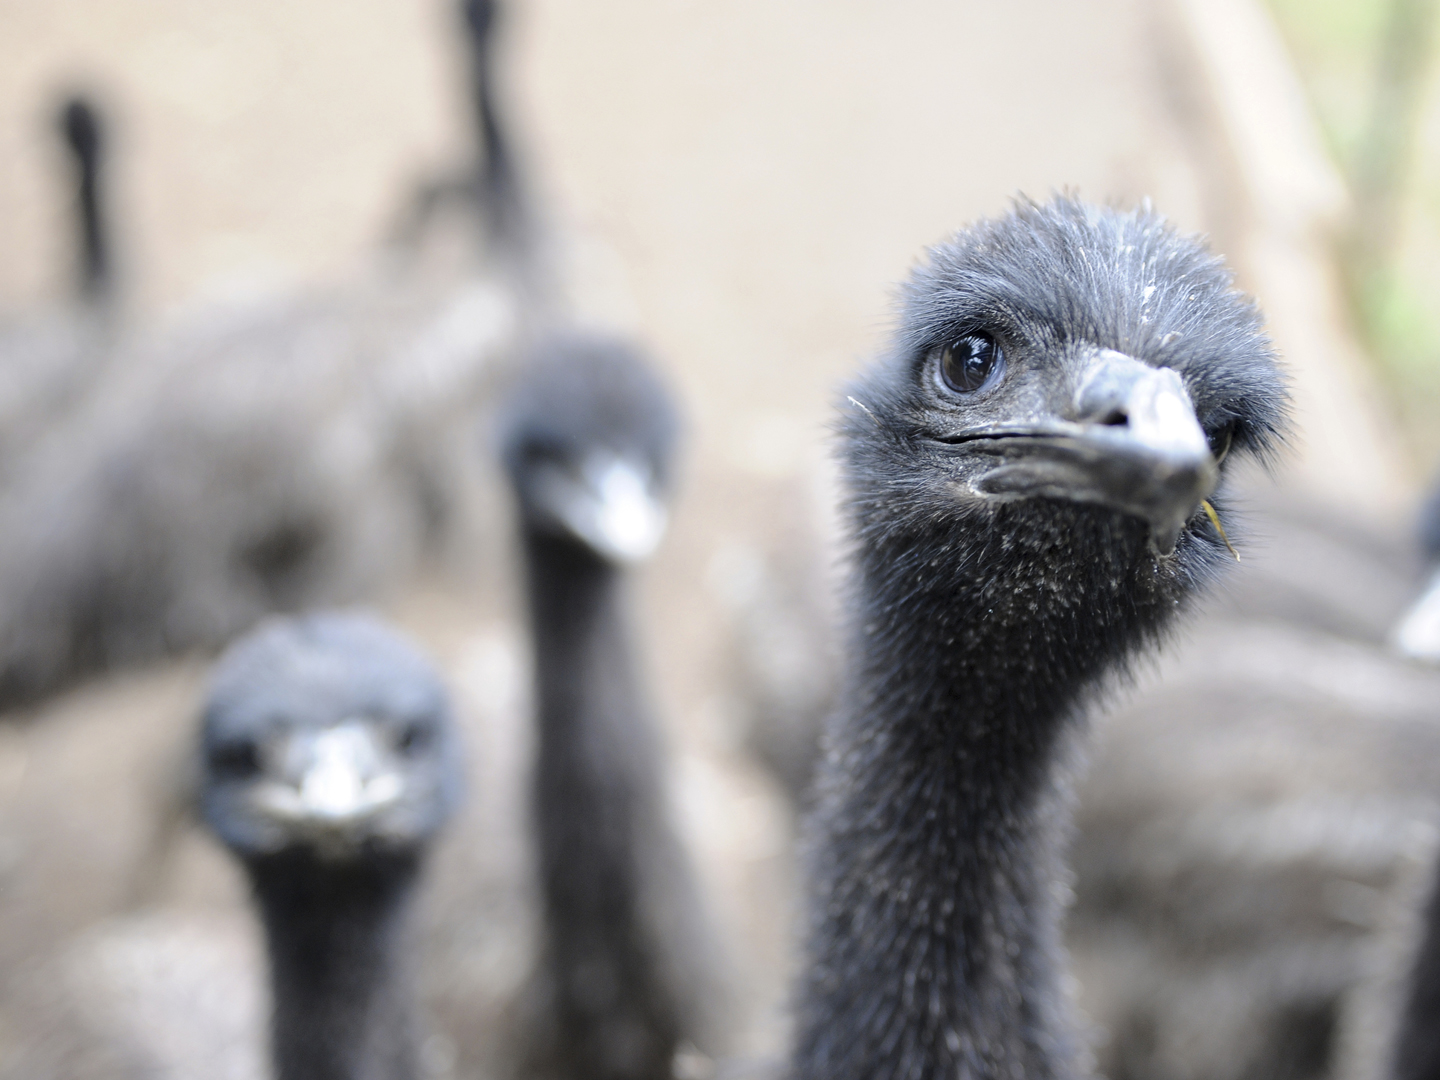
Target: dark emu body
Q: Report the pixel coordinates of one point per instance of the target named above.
(1416, 1054)
(999, 576)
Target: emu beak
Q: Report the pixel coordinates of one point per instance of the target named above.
(610, 505)
(1418, 635)
(1134, 445)
(336, 777)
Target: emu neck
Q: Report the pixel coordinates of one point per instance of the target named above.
(582, 653)
(95, 256)
(1416, 1054)
(934, 944)
(335, 934)
(603, 844)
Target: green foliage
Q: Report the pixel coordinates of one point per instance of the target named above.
(1335, 44)
(1339, 48)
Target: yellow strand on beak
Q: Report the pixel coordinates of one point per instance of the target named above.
(1215, 520)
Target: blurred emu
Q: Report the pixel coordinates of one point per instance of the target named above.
(304, 451)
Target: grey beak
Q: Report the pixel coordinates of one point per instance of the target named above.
(335, 777)
(1418, 634)
(609, 503)
(1134, 445)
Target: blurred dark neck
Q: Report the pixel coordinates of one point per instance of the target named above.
(94, 252)
(601, 827)
(342, 1001)
(1417, 1050)
(581, 648)
(502, 200)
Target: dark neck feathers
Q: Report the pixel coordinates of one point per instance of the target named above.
(85, 134)
(938, 885)
(615, 1006)
(1416, 1055)
(341, 990)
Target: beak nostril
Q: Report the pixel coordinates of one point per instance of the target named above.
(1115, 418)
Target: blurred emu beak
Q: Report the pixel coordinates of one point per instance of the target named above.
(1134, 445)
(342, 780)
(609, 505)
(1418, 634)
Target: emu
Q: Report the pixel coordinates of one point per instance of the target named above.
(329, 763)
(1027, 471)
(303, 451)
(627, 974)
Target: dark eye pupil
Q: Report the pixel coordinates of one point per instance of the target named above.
(414, 738)
(966, 364)
(236, 760)
(1220, 442)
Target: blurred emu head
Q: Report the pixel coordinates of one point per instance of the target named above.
(329, 734)
(588, 440)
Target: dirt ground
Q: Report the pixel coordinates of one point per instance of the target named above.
(741, 185)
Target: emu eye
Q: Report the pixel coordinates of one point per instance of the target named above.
(969, 363)
(236, 760)
(414, 737)
(1220, 442)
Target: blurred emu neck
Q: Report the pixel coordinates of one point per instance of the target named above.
(336, 939)
(598, 768)
(577, 619)
(934, 943)
(601, 833)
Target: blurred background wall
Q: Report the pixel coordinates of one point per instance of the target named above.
(756, 176)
